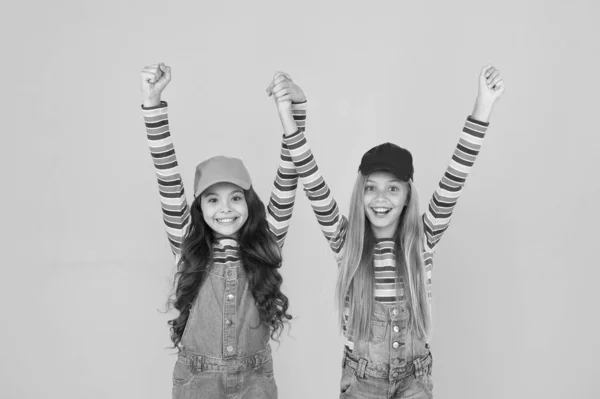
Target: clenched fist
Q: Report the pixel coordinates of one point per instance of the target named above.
(154, 79)
(491, 88)
(491, 85)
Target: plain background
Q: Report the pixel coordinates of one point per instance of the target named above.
(86, 267)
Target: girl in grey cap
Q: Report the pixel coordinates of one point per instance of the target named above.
(227, 249)
(385, 248)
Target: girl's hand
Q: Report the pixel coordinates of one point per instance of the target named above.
(491, 88)
(154, 80)
(285, 91)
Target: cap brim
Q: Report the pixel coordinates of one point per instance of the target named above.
(374, 167)
(206, 185)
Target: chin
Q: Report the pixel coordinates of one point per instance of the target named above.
(381, 225)
(378, 222)
(231, 231)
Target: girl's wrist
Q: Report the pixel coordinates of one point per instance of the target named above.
(482, 111)
(287, 121)
(284, 109)
(151, 102)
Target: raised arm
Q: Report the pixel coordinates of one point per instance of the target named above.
(332, 223)
(441, 205)
(175, 209)
(283, 195)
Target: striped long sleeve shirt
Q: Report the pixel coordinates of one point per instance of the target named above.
(175, 208)
(435, 220)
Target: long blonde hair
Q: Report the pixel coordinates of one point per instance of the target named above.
(356, 277)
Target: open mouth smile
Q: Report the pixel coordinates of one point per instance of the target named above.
(226, 221)
(381, 211)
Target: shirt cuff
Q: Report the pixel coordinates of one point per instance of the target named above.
(162, 104)
(471, 119)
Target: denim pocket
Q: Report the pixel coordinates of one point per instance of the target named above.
(267, 369)
(183, 373)
(378, 330)
(429, 383)
(422, 373)
(418, 388)
(348, 381)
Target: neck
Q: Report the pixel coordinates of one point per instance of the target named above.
(218, 236)
(387, 232)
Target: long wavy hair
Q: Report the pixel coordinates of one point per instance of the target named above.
(260, 256)
(354, 294)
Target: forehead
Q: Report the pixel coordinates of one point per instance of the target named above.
(383, 177)
(222, 189)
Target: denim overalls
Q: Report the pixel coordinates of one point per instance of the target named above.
(392, 364)
(225, 349)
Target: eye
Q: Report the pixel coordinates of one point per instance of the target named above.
(369, 188)
(211, 200)
(394, 188)
(237, 198)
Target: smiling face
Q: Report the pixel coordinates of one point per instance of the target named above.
(224, 208)
(384, 199)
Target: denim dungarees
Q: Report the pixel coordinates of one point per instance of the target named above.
(225, 349)
(392, 364)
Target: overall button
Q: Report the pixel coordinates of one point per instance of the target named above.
(394, 312)
(228, 323)
(396, 345)
(396, 361)
(230, 297)
(396, 328)
(395, 375)
(230, 348)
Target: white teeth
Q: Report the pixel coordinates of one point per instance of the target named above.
(229, 220)
(381, 209)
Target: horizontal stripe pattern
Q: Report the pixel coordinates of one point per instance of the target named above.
(283, 195)
(384, 263)
(225, 252)
(316, 190)
(436, 219)
(441, 205)
(175, 208)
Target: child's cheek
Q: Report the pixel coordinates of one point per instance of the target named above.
(368, 197)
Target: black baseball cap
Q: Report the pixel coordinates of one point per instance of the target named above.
(390, 157)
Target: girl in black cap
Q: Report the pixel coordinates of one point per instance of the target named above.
(385, 248)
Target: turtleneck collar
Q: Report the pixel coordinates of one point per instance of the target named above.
(222, 242)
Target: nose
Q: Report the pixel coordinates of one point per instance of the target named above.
(225, 208)
(380, 194)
